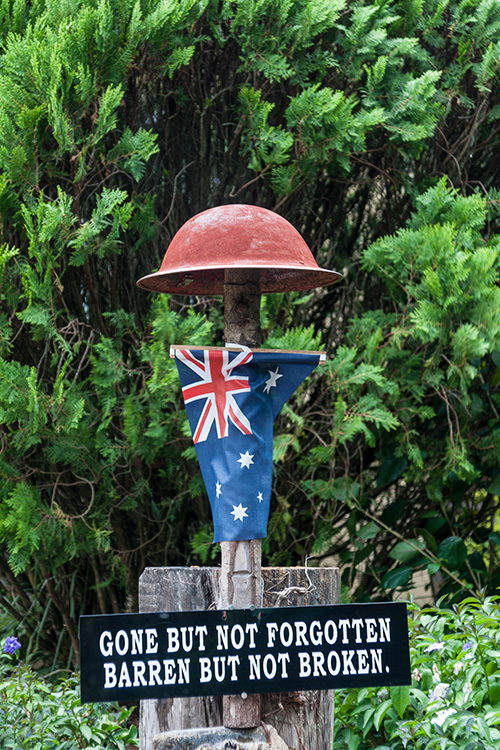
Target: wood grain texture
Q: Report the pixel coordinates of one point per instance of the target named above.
(304, 720)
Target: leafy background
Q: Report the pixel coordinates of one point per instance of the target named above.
(373, 127)
(453, 702)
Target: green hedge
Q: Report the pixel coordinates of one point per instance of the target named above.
(40, 715)
(454, 699)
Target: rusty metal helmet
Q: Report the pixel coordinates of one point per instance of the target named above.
(237, 236)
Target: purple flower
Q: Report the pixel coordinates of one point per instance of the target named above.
(467, 646)
(11, 645)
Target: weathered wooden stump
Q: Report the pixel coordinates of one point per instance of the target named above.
(220, 738)
(304, 720)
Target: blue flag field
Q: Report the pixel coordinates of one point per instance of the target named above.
(232, 396)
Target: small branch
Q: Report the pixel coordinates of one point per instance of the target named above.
(66, 615)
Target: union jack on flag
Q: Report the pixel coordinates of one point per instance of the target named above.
(232, 396)
(218, 387)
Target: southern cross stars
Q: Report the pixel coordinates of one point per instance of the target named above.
(239, 512)
(272, 381)
(245, 460)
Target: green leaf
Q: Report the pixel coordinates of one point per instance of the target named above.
(380, 712)
(391, 469)
(86, 731)
(407, 550)
(494, 537)
(368, 531)
(107, 116)
(494, 486)
(400, 697)
(396, 578)
(453, 551)
(494, 694)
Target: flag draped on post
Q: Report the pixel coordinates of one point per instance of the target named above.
(232, 397)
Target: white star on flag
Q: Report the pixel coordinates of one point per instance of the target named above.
(245, 460)
(239, 512)
(232, 399)
(272, 381)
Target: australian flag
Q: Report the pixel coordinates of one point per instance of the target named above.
(232, 397)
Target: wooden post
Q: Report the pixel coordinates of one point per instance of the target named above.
(242, 307)
(241, 577)
(304, 720)
(177, 590)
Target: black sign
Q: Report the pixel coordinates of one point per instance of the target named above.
(222, 652)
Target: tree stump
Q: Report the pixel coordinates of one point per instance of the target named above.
(304, 720)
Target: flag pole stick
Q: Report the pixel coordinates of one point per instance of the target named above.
(241, 577)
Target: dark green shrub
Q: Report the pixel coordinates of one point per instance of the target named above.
(373, 128)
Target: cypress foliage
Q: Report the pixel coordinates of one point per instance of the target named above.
(373, 128)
